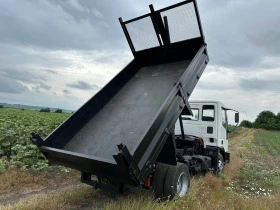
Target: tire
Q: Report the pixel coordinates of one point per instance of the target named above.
(177, 181)
(158, 179)
(220, 167)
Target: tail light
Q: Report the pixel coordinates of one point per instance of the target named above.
(147, 182)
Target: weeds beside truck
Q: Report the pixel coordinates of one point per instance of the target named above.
(125, 133)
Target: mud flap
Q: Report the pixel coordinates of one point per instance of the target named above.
(168, 152)
(227, 157)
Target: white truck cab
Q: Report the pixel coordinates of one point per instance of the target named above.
(209, 122)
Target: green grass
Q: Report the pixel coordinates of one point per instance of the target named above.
(16, 126)
(259, 175)
(269, 142)
(235, 130)
(254, 175)
(237, 135)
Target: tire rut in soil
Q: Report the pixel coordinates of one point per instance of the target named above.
(243, 140)
(13, 198)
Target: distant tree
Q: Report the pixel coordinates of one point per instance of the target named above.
(266, 120)
(58, 111)
(45, 110)
(278, 121)
(1, 106)
(278, 116)
(246, 124)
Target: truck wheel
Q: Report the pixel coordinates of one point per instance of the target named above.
(177, 181)
(220, 167)
(158, 179)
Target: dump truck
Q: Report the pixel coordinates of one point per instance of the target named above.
(125, 134)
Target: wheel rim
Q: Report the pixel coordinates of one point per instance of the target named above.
(182, 184)
(220, 167)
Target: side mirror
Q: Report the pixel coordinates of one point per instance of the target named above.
(237, 117)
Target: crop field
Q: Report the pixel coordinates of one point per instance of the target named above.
(269, 142)
(16, 126)
(250, 181)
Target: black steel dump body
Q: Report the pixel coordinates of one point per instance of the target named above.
(120, 132)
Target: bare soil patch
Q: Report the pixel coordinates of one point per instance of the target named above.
(16, 184)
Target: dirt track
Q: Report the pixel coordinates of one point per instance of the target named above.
(241, 139)
(14, 197)
(95, 199)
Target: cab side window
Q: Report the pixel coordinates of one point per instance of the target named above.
(208, 113)
(224, 119)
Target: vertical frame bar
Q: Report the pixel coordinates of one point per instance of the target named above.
(127, 36)
(182, 127)
(166, 29)
(198, 20)
(159, 25)
(155, 27)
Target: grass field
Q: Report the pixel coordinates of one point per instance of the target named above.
(250, 181)
(16, 126)
(235, 130)
(269, 143)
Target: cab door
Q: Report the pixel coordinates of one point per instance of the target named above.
(209, 119)
(223, 127)
(202, 124)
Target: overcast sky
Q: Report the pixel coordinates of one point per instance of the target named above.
(59, 53)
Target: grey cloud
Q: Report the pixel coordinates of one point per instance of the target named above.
(259, 84)
(46, 99)
(83, 85)
(264, 32)
(66, 91)
(240, 33)
(65, 28)
(50, 71)
(270, 62)
(45, 86)
(104, 59)
(217, 78)
(73, 24)
(268, 40)
(212, 86)
(36, 88)
(20, 75)
(235, 36)
(54, 93)
(11, 86)
(28, 59)
(79, 10)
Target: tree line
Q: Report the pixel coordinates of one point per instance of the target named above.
(41, 110)
(49, 110)
(265, 120)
